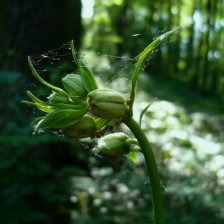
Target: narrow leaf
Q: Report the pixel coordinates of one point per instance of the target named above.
(74, 54)
(132, 156)
(142, 113)
(43, 108)
(41, 105)
(86, 75)
(88, 79)
(55, 88)
(35, 99)
(142, 57)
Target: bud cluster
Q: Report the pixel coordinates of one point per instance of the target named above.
(81, 110)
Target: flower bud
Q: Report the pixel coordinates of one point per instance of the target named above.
(74, 86)
(60, 119)
(114, 144)
(85, 127)
(107, 103)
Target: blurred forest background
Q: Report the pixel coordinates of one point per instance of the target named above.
(50, 179)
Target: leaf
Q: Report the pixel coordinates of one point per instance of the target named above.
(59, 119)
(41, 105)
(143, 112)
(35, 99)
(142, 57)
(88, 79)
(132, 155)
(74, 54)
(46, 109)
(55, 88)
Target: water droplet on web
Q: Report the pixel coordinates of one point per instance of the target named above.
(136, 35)
(44, 56)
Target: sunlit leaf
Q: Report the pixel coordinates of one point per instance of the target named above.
(132, 156)
(141, 59)
(142, 113)
(55, 88)
(41, 105)
(86, 75)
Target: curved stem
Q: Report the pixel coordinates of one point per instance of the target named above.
(157, 198)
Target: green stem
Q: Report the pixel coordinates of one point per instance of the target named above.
(157, 198)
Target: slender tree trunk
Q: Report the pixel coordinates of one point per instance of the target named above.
(214, 73)
(121, 23)
(178, 38)
(189, 58)
(205, 71)
(170, 57)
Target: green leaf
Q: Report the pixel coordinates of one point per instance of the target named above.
(60, 119)
(142, 57)
(74, 54)
(41, 105)
(55, 88)
(46, 109)
(132, 155)
(36, 121)
(142, 113)
(86, 75)
(35, 99)
(88, 79)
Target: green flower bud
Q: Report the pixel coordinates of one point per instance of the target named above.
(60, 119)
(114, 144)
(74, 86)
(85, 127)
(107, 103)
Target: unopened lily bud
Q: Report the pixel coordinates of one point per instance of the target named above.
(85, 127)
(74, 86)
(114, 144)
(60, 119)
(107, 103)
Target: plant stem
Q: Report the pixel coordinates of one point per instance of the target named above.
(157, 198)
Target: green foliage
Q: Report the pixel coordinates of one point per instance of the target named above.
(195, 54)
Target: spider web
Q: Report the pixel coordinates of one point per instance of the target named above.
(110, 70)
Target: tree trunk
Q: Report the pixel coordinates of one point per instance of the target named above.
(121, 23)
(205, 71)
(33, 27)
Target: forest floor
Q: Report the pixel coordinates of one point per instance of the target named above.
(187, 132)
(187, 135)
